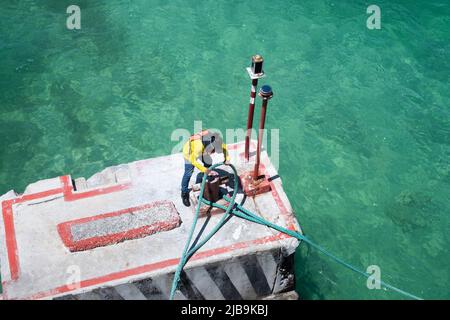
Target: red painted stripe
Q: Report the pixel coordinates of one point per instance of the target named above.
(70, 195)
(283, 210)
(66, 189)
(11, 243)
(141, 232)
(10, 234)
(64, 229)
(154, 266)
(37, 195)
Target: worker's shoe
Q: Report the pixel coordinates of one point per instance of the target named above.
(185, 198)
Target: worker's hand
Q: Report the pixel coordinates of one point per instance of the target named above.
(227, 162)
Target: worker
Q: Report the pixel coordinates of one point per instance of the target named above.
(200, 146)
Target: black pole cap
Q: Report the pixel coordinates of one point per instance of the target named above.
(265, 92)
(257, 64)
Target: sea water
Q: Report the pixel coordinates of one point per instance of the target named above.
(363, 113)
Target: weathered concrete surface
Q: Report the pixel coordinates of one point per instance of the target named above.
(242, 259)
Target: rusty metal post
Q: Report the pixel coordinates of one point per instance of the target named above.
(255, 72)
(251, 110)
(266, 94)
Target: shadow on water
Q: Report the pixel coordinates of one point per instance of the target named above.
(17, 139)
(412, 210)
(341, 127)
(315, 278)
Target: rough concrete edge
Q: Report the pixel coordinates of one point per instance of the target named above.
(42, 185)
(100, 178)
(118, 167)
(11, 194)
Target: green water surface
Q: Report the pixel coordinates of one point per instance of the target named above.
(364, 115)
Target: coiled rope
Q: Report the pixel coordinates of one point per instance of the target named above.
(239, 211)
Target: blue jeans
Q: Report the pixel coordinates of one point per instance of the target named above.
(188, 170)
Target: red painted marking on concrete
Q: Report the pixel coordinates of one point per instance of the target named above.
(11, 243)
(100, 241)
(70, 195)
(37, 195)
(105, 278)
(287, 216)
(10, 234)
(283, 210)
(64, 229)
(252, 188)
(66, 189)
(153, 266)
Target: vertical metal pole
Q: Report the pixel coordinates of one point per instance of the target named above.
(265, 93)
(251, 110)
(260, 137)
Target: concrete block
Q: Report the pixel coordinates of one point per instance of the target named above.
(80, 184)
(123, 175)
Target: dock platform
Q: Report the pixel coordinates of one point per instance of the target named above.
(120, 234)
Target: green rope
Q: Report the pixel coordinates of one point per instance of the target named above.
(187, 253)
(254, 218)
(243, 213)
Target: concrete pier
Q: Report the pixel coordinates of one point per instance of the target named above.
(120, 234)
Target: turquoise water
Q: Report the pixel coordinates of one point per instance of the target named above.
(364, 115)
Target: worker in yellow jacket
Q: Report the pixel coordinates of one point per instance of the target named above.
(200, 146)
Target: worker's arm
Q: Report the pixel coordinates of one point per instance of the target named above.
(226, 155)
(195, 154)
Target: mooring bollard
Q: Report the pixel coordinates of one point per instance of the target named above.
(212, 188)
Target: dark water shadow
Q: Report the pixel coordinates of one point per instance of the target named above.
(315, 280)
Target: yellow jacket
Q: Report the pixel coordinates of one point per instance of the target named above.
(196, 152)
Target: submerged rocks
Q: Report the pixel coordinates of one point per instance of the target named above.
(411, 210)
